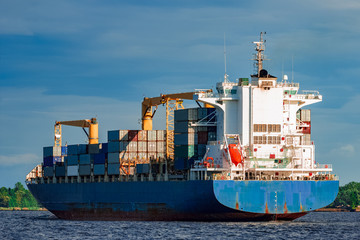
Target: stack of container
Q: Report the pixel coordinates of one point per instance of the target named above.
(137, 146)
(53, 157)
(190, 141)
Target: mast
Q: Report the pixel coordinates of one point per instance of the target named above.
(259, 55)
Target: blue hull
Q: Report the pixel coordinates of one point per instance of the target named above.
(186, 200)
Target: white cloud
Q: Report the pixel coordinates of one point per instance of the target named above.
(17, 159)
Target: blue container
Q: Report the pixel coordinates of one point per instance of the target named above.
(104, 148)
(83, 149)
(84, 170)
(63, 150)
(211, 136)
(212, 117)
(202, 113)
(186, 139)
(113, 157)
(72, 160)
(73, 149)
(50, 161)
(114, 169)
(99, 158)
(201, 150)
(94, 148)
(60, 171)
(211, 129)
(99, 169)
(48, 171)
(142, 168)
(86, 159)
(51, 151)
(113, 147)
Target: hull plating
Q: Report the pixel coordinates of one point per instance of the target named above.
(185, 200)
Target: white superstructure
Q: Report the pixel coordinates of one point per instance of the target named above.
(273, 129)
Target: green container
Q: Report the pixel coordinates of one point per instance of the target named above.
(244, 81)
(185, 151)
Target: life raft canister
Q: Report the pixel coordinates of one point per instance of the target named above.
(235, 154)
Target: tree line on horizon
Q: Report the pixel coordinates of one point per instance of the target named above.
(348, 197)
(17, 197)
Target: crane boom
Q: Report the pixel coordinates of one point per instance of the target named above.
(92, 124)
(148, 103)
(173, 102)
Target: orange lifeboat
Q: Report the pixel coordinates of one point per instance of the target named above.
(235, 154)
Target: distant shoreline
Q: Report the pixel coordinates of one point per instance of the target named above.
(22, 209)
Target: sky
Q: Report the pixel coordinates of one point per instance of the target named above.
(67, 60)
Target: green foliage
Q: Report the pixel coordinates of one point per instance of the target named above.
(348, 197)
(17, 197)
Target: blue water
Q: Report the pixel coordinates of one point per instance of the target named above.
(44, 225)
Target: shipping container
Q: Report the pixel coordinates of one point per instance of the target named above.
(84, 170)
(151, 146)
(83, 148)
(63, 150)
(186, 139)
(211, 129)
(201, 150)
(189, 114)
(211, 136)
(151, 135)
(184, 127)
(48, 171)
(50, 161)
(99, 158)
(160, 135)
(202, 129)
(202, 114)
(86, 159)
(113, 169)
(94, 148)
(202, 137)
(142, 146)
(113, 158)
(99, 169)
(114, 147)
(72, 160)
(73, 149)
(104, 148)
(211, 114)
(133, 135)
(142, 135)
(185, 151)
(118, 135)
(133, 155)
(124, 155)
(132, 146)
(72, 170)
(60, 171)
(142, 156)
(161, 146)
(51, 151)
(142, 168)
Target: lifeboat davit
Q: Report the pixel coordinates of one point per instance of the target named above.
(235, 154)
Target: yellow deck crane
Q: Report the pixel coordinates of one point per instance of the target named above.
(173, 102)
(92, 124)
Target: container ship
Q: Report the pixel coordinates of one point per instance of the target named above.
(244, 154)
